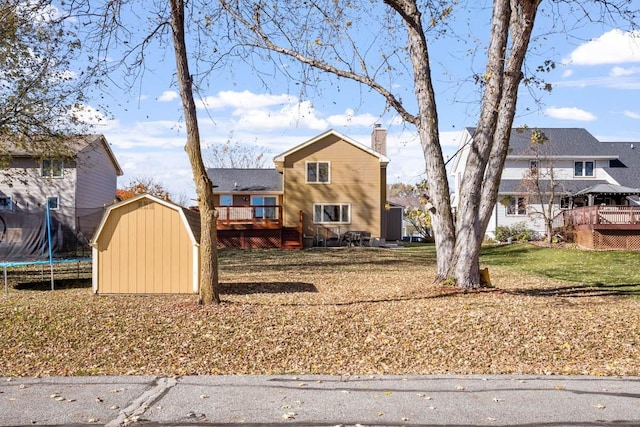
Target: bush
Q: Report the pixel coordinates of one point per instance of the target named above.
(517, 232)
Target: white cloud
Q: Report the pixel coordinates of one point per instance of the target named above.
(621, 71)
(349, 118)
(567, 73)
(569, 113)
(632, 114)
(252, 111)
(618, 82)
(147, 135)
(614, 47)
(89, 115)
(407, 163)
(168, 95)
(170, 168)
(290, 115)
(243, 100)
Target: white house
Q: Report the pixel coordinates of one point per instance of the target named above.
(568, 163)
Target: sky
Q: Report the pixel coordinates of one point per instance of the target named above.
(596, 86)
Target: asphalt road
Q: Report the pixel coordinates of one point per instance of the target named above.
(321, 401)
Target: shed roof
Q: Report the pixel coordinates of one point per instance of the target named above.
(190, 218)
(229, 180)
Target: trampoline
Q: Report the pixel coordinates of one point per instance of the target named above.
(41, 249)
(52, 262)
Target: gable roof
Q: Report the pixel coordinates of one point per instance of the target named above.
(578, 143)
(229, 180)
(73, 145)
(566, 142)
(190, 218)
(625, 170)
(281, 157)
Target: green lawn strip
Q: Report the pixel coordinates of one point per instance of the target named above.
(614, 271)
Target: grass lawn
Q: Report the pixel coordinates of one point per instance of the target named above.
(341, 311)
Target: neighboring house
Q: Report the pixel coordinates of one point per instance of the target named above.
(76, 182)
(321, 190)
(585, 172)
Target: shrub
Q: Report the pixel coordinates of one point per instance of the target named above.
(516, 231)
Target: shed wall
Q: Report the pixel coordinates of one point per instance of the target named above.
(144, 247)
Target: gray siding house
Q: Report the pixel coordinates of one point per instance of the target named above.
(77, 182)
(580, 170)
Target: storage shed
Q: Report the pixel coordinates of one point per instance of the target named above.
(146, 245)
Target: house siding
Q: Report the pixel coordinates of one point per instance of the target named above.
(29, 191)
(562, 168)
(534, 222)
(88, 183)
(355, 179)
(98, 177)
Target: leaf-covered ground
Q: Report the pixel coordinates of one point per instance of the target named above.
(345, 311)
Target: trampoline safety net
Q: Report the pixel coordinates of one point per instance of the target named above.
(24, 235)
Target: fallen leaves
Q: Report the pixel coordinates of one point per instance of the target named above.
(289, 416)
(323, 312)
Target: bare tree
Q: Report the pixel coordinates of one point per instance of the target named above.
(540, 182)
(109, 35)
(204, 186)
(320, 35)
(233, 154)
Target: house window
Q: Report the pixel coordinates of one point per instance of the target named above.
(5, 204)
(53, 203)
(331, 214)
(262, 211)
(317, 172)
(226, 200)
(583, 168)
(517, 206)
(51, 168)
(533, 167)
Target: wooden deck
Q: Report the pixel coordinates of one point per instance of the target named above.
(249, 217)
(603, 227)
(256, 227)
(603, 217)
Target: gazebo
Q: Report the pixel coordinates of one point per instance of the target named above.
(608, 194)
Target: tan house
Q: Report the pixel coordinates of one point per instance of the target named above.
(146, 245)
(330, 189)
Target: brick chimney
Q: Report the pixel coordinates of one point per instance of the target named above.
(379, 139)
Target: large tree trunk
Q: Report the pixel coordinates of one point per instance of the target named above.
(469, 231)
(491, 140)
(522, 22)
(427, 124)
(208, 236)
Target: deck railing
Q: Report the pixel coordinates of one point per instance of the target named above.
(602, 214)
(257, 215)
